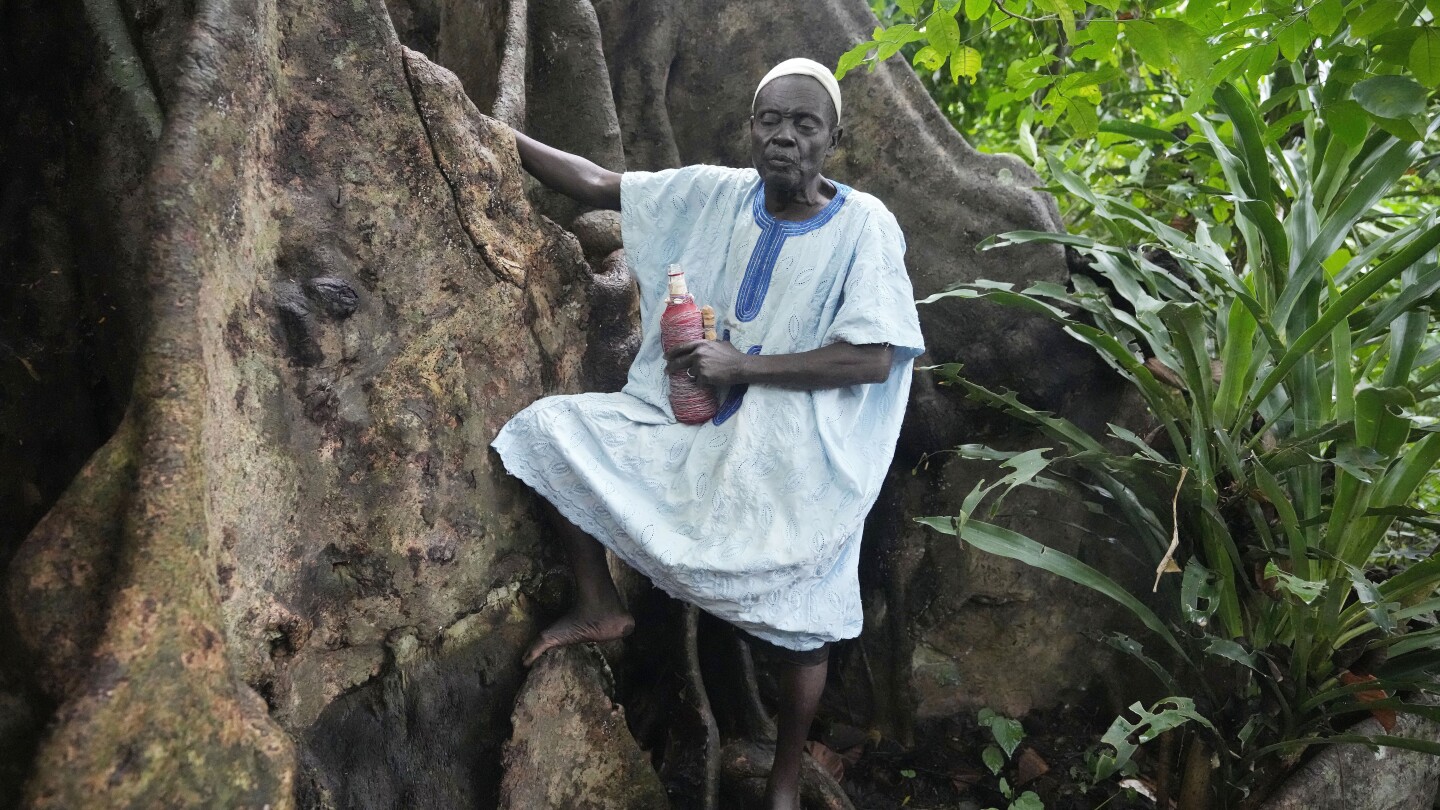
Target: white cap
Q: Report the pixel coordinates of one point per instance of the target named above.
(803, 67)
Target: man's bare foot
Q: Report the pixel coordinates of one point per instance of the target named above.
(577, 628)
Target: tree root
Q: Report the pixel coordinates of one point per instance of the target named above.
(1195, 783)
(700, 701)
(510, 95)
(756, 722)
(745, 765)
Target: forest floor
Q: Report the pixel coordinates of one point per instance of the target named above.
(945, 768)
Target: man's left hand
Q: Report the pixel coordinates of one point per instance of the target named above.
(712, 362)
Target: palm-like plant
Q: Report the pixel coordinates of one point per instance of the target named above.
(1283, 378)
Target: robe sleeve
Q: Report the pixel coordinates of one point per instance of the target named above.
(877, 303)
(656, 210)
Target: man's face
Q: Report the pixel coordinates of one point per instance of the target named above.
(792, 131)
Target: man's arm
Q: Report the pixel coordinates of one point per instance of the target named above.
(571, 175)
(716, 362)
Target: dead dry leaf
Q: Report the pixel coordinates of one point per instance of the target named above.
(1029, 767)
(829, 761)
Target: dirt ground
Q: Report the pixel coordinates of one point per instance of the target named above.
(945, 770)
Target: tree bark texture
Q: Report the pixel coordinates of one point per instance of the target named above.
(275, 280)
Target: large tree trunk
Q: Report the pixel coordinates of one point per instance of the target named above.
(275, 284)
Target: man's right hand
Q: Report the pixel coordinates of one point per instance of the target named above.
(571, 175)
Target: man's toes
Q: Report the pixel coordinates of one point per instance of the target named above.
(538, 649)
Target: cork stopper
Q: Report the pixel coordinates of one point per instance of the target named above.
(677, 281)
(707, 317)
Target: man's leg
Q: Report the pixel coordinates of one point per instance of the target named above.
(800, 688)
(597, 614)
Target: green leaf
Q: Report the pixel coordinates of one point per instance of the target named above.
(1261, 59)
(1393, 47)
(942, 32)
(1360, 462)
(1003, 542)
(910, 7)
(1295, 38)
(1376, 17)
(892, 39)
(1347, 119)
(1029, 800)
(1425, 56)
(1131, 647)
(993, 758)
(1103, 34)
(1390, 96)
(1026, 467)
(1239, 347)
(1140, 132)
(1080, 80)
(907, 773)
(965, 61)
(928, 58)
(1148, 42)
(1008, 733)
(1082, 117)
(1376, 741)
(1203, 14)
(977, 9)
(1193, 56)
(1326, 16)
(1250, 148)
(1228, 649)
(1414, 583)
(1061, 9)
(1406, 129)
(904, 32)
(1305, 590)
(852, 59)
(1374, 602)
(1126, 736)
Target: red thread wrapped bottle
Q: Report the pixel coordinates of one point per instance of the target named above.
(681, 322)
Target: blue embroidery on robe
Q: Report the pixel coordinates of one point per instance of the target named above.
(773, 233)
(736, 395)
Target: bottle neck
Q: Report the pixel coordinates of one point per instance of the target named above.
(677, 287)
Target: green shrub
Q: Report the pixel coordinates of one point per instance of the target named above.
(1277, 466)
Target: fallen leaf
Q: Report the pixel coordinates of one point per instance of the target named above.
(29, 368)
(1385, 716)
(1139, 787)
(1029, 767)
(829, 761)
(1168, 564)
(1164, 373)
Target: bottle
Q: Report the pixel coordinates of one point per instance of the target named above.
(682, 322)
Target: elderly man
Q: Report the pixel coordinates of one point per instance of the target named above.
(755, 516)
